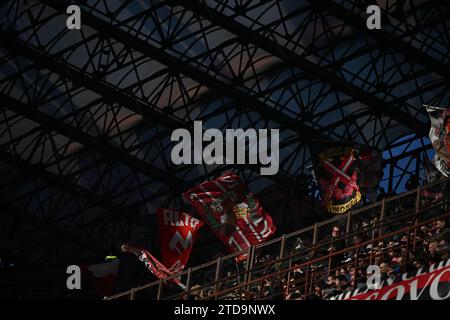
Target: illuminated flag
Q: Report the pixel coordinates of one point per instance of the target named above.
(177, 232)
(232, 212)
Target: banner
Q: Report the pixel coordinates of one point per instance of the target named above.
(430, 284)
(439, 137)
(234, 215)
(177, 232)
(337, 175)
(103, 275)
(151, 263)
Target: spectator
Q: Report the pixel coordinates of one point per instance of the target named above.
(443, 249)
(417, 264)
(356, 239)
(335, 237)
(337, 244)
(341, 284)
(393, 276)
(433, 254)
(384, 269)
(317, 294)
(296, 295)
(352, 276)
(441, 226)
(359, 280)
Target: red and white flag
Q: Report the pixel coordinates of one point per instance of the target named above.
(104, 276)
(232, 212)
(151, 263)
(338, 176)
(177, 232)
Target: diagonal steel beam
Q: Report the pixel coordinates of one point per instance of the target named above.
(314, 71)
(116, 211)
(90, 142)
(109, 92)
(245, 101)
(64, 235)
(36, 170)
(385, 39)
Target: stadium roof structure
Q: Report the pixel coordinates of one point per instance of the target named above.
(87, 115)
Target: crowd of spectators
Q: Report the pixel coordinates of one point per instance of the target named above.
(390, 255)
(432, 246)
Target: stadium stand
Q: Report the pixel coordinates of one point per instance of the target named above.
(400, 234)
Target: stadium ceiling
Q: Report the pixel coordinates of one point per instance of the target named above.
(86, 115)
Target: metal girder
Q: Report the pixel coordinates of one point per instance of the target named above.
(314, 71)
(107, 91)
(60, 68)
(407, 154)
(56, 125)
(243, 100)
(117, 212)
(61, 181)
(93, 199)
(61, 233)
(89, 141)
(31, 113)
(48, 122)
(385, 39)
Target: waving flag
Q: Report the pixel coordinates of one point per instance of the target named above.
(439, 136)
(234, 215)
(338, 177)
(177, 232)
(151, 263)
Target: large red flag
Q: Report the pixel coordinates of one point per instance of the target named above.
(177, 232)
(235, 215)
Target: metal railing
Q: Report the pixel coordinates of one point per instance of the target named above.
(297, 248)
(313, 275)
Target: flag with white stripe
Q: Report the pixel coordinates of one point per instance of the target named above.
(338, 178)
(232, 212)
